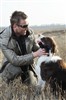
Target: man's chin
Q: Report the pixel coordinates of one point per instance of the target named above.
(23, 33)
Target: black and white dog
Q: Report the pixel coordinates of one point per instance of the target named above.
(50, 67)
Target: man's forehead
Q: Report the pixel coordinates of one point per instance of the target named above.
(23, 21)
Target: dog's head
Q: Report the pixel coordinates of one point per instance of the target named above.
(47, 43)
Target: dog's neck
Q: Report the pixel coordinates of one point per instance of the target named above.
(47, 59)
(50, 53)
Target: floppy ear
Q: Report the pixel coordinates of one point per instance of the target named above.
(54, 45)
(62, 64)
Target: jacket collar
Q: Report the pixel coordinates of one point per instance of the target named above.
(14, 35)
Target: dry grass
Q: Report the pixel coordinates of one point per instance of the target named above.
(18, 91)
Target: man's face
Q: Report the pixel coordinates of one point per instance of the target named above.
(21, 28)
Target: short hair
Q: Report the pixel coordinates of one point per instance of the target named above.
(17, 16)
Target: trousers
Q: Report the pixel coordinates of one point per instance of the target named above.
(11, 72)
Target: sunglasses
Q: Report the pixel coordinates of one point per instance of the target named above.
(23, 26)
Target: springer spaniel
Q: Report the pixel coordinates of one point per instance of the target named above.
(50, 67)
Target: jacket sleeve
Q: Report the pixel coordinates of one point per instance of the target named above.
(11, 56)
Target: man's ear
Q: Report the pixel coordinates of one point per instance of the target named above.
(14, 26)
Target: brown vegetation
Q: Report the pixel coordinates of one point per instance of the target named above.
(19, 91)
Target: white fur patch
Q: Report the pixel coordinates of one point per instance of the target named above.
(40, 81)
(55, 58)
(41, 36)
(48, 59)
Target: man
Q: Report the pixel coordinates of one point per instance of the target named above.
(19, 48)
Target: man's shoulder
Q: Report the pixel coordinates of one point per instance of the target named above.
(6, 30)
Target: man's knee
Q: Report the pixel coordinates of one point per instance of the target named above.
(33, 78)
(10, 72)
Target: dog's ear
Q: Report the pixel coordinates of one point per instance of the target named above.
(54, 45)
(62, 64)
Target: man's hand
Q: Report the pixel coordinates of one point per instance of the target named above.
(39, 53)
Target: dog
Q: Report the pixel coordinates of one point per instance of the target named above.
(50, 68)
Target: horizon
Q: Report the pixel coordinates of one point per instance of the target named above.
(45, 28)
(42, 25)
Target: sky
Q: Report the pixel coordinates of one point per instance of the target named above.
(40, 12)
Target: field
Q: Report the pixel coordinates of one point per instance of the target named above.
(18, 91)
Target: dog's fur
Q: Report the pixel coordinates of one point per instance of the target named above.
(51, 68)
